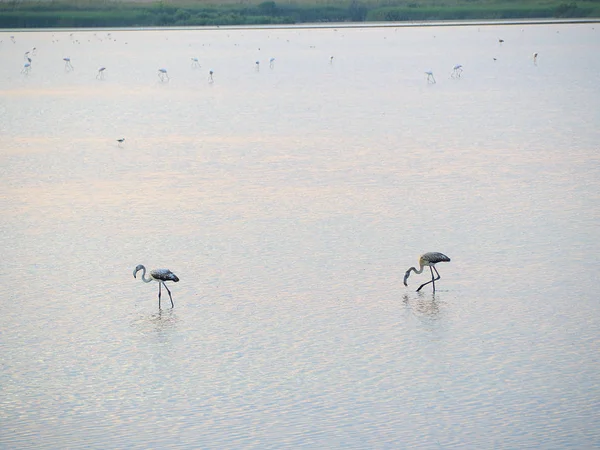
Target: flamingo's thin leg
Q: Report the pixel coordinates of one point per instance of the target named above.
(172, 305)
(433, 279)
(159, 295)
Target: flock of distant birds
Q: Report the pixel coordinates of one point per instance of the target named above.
(163, 74)
(429, 259)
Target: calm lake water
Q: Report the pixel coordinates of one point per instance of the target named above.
(290, 201)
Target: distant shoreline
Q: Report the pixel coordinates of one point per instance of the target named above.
(316, 26)
(177, 14)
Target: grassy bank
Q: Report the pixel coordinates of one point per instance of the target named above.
(90, 13)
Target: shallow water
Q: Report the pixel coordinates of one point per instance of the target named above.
(290, 201)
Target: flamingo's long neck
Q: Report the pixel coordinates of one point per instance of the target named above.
(412, 269)
(148, 280)
(415, 270)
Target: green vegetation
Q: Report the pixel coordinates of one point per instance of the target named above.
(91, 13)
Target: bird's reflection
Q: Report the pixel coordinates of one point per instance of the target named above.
(163, 320)
(423, 305)
(160, 323)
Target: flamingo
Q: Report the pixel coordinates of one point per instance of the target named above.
(535, 55)
(68, 65)
(195, 62)
(100, 74)
(272, 63)
(160, 275)
(163, 75)
(428, 259)
(430, 78)
(456, 71)
(210, 76)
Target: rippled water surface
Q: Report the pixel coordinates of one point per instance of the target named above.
(290, 201)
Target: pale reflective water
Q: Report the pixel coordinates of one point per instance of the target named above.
(290, 201)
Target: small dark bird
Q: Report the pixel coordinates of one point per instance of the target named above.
(428, 259)
(120, 141)
(160, 275)
(501, 40)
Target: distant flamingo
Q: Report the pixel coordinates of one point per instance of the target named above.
(457, 71)
(163, 75)
(430, 78)
(68, 65)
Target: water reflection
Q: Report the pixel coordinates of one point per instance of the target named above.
(424, 305)
(161, 323)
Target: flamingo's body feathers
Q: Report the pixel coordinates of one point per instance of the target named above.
(433, 258)
(163, 275)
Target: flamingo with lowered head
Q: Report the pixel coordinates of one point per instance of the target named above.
(428, 259)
